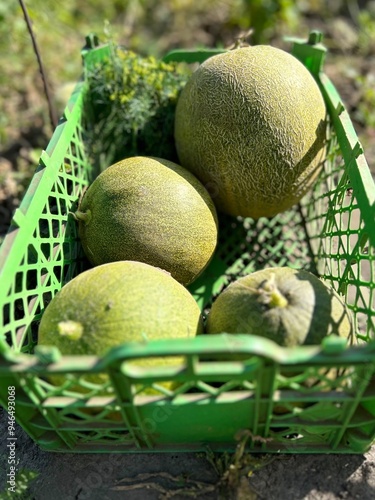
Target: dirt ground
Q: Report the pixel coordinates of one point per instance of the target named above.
(164, 475)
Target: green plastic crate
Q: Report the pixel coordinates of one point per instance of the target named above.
(264, 398)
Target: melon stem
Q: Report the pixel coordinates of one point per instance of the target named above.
(277, 299)
(73, 330)
(83, 216)
(270, 293)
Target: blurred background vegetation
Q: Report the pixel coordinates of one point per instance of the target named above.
(154, 27)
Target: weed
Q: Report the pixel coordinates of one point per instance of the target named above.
(20, 491)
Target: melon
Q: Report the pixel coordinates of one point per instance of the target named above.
(149, 210)
(289, 306)
(251, 125)
(114, 304)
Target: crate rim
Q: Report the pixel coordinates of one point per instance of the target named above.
(329, 351)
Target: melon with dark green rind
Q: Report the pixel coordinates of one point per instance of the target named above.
(291, 307)
(149, 210)
(114, 304)
(250, 124)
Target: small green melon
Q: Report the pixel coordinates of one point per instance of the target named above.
(149, 210)
(250, 124)
(291, 307)
(116, 303)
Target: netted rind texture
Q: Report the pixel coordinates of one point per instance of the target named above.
(250, 124)
(149, 210)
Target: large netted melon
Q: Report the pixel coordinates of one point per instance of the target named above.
(250, 124)
(149, 210)
(291, 307)
(114, 304)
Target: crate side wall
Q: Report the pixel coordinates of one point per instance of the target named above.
(44, 252)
